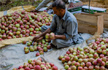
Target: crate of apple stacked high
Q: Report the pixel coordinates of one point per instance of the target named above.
(95, 56)
(38, 64)
(75, 6)
(22, 24)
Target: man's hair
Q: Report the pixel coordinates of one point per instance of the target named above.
(59, 4)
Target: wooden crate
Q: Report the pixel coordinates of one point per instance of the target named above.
(90, 23)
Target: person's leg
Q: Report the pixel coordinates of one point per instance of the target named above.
(59, 43)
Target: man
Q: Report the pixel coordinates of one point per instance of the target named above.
(64, 25)
(44, 3)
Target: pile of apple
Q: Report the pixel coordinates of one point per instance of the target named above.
(37, 65)
(92, 57)
(41, 46)
(22, 24)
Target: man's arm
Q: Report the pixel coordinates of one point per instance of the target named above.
(39, 37)
(60, 37)
(42, 4)
(44, 33)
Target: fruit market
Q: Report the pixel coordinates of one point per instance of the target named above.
(53, 34)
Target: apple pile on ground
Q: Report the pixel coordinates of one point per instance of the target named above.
(41, 46)
(22, 24)
(37, 65)
(92, 57)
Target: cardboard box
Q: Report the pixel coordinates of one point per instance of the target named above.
(92, 9)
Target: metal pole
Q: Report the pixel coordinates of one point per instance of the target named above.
(89, 6)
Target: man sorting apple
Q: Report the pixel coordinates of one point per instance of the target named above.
(64, 27)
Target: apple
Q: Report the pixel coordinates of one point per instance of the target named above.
(104, 59)
(91, 68)
(68, 52)
(41, 52)
(45, 49)
(99, 60)
(52, 35)
(31, 29)
(103, 47)
(94, 62)
(75, 58)
(104, 52)
(14, 69)
(17, 25)
(38, 62)
(101, 55)
(102, 68)
(71, 50)
(35, 48)
(69, 63)
(85, 68)
(80, 60)
(97, 67)
(29, 61)
(80, 68)
(90, 55)
(24, 42)
(82, 64)
(26, 51)
(28, 44)
(48, 47)
(37, 54)
(73, 67)
(54, 68)
(103, 63)
(37, 67)
(66, 67)
(88, 64)
(31, 49)
(99, 50)
(47, 36)
(21, 66)
(95, 55)
(60, 57)
(77, 64)
(63, 60)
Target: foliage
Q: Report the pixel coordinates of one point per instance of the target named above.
(14, 3)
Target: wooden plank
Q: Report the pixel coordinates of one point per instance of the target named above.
(100, 25)
(87, 18)
(105, 16)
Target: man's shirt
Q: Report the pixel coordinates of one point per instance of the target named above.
(67, 25)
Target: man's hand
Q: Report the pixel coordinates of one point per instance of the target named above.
(53, 37)
(36, 38)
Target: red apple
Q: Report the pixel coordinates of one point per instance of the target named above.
(37, 54)
(54, 68)
(37, 67)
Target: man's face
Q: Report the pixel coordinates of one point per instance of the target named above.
(57, 12)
